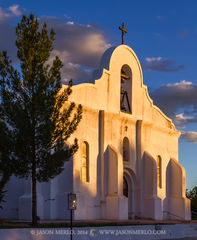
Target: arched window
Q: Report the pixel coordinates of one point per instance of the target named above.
(85, 162)
(126, 154)
(159, 173)
(126, 89)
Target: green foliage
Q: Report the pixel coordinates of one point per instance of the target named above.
(5, 154)
(192, 195)
(38, 114)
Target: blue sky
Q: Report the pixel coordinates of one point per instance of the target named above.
(163, 35)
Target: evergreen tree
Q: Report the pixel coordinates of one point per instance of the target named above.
(192, 195)
(35, 108)
(6, 169)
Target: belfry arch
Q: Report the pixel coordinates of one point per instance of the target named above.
(126, 89)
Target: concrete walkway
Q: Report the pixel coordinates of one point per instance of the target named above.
(102, 222)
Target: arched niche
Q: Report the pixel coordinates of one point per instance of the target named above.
(175, 180)
(126, 89)
(126, 153)
(149, 173)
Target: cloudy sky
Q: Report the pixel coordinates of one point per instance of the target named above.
(163, 35)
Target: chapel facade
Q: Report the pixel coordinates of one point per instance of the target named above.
(127, 163)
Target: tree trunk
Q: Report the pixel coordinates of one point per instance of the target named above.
(34, 192)
(34, 195)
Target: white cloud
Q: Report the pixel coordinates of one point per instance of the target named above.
(179, 97)
(3, 15)
(181, 84)
(190, 136)
(153, 59)
(71, 23)
(161, 65)
(181, 119)
(15, 10)
(79, 46)
(12, 11)
(8, 32)
(176, 97)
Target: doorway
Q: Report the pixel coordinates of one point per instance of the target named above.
(128, 192)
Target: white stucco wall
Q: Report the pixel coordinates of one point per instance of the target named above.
(146, 127)
(150, 133)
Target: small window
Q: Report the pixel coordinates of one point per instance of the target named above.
(159, 173)
(85, 162)
(126, 149)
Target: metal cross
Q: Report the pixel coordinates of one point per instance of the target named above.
(123, 31)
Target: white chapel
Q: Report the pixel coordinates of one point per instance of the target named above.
(127, 163)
